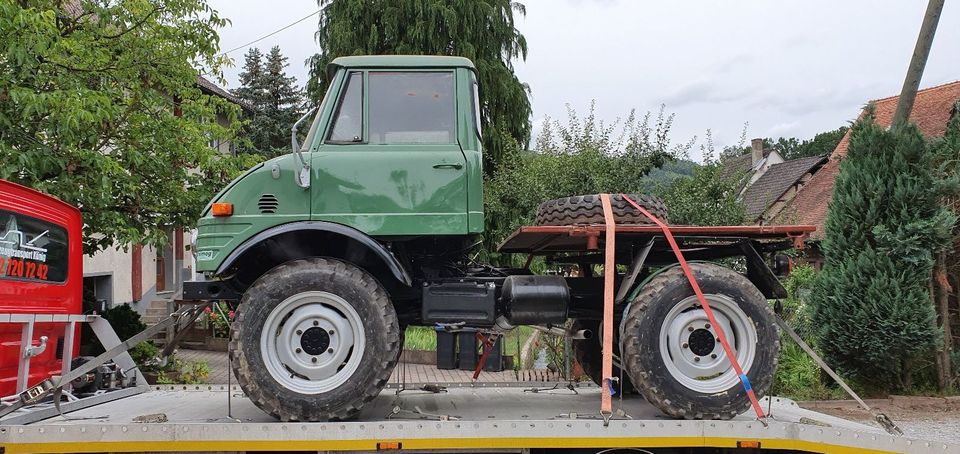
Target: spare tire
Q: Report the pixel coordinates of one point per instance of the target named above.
(587, 209)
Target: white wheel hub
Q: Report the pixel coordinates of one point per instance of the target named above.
(691, 349)
(312, 342)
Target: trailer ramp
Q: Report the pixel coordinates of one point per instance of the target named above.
(463, 418)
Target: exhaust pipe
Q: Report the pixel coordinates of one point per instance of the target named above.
(579, 334)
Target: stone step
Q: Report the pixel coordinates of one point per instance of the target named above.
(160, 311)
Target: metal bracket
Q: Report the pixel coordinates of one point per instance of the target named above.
(638, 260)
(32, 351)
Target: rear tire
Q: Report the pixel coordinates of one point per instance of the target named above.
(672, 353)
(587, 209)
(314, 340)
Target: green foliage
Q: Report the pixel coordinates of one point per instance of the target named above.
(219, 316)
(483, 31)
(90, 93)
(871, 303)
(420, 338)
(789, 148)
(706, 198)
(194, 372)
(143, 354)
(276, 102)
(585, 156)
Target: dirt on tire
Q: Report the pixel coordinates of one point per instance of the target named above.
(587, 209)
(381, 331)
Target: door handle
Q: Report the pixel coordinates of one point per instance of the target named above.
(448, 166)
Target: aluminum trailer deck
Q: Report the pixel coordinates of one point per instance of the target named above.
(464, 418)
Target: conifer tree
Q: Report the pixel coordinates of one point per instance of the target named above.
(274, 97)
(483, 31)
(872, 303)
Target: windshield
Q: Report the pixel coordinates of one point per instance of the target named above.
(308, 140)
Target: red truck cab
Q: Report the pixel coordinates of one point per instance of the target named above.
(41, 273)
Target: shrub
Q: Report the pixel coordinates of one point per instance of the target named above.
(871, 303)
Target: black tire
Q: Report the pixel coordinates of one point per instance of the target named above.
(589, 354)
(647, 368)
(380, 328)
(587, 209)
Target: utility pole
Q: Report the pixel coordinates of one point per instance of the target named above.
(917, 63)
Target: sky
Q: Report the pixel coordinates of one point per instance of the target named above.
(789, 68)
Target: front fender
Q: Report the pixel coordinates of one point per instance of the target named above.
(389, 260)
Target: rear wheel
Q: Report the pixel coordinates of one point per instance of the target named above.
(314, 340)
(672, 351)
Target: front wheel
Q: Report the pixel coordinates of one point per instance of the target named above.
(314, 340)
(672, 352)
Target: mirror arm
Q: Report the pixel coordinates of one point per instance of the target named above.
(303, 175)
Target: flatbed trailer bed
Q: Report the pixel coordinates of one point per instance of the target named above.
(479, 418)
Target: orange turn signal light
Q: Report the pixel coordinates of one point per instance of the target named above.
(389, 445)
(222, 209)
(753, 444)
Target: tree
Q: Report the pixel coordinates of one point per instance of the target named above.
(821, 144)
(583, 156)
(99, 106)
(871, 304)
(705, 198)
(276, 101)
(483, 31)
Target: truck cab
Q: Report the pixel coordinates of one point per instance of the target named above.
(393, 151)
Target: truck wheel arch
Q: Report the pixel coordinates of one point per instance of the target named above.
(285, 242)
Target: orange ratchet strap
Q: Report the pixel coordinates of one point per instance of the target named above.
(696, 289)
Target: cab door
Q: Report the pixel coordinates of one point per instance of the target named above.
(390, 162)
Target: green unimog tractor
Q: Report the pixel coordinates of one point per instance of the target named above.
(330, 252)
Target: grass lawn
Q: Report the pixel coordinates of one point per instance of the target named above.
(425, 338)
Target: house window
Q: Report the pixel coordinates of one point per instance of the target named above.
(412, 107)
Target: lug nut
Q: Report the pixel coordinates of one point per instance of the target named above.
(299, 350)
(330, 350)
(299, 332)
(713, 356)
(707, 326)
(315, 323)
(330, 332)
(314, 359)
(685, 345)
(690, 328)
(696, 358)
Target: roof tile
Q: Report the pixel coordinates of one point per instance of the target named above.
(931, 113)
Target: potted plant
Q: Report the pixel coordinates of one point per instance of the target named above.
(219, 317)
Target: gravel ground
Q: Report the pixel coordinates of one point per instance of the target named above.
(925, 418)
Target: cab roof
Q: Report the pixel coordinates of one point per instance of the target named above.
(400, 61)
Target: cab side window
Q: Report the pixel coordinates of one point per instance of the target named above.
(348, 119)
(412, 107)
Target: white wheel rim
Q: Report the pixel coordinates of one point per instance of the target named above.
(312, 342)
(691, 350)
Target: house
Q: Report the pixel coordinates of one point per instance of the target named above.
(142, 274)
(932, 111)
(750, 166)
(768, 181)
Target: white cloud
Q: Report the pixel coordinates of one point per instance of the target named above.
(794, 67)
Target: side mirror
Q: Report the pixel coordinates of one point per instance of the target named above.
(303, 176)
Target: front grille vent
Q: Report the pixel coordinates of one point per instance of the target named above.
(268, 203)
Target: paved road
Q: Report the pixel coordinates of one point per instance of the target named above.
(415, 373)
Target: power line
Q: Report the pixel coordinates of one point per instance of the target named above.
(273, 33)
